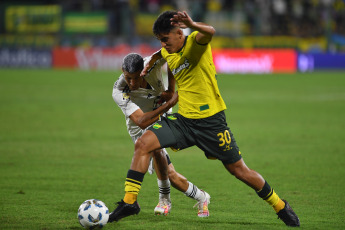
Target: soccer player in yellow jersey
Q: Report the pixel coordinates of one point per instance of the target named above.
(200, 119)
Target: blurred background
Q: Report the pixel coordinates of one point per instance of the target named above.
(253, 36)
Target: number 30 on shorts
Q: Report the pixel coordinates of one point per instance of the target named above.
(224, 138)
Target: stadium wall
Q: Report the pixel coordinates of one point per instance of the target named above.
(226, 60)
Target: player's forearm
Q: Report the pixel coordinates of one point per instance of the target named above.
(150, 117)
(157, 55)
(166, 95)
(203, 28)
(169, 93)
(154, 57)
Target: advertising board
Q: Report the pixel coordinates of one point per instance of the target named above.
(255, 61)
(94, 23)
(33, 19)
(321, 61)
(30, 58)
(96, 58)
(226, 61)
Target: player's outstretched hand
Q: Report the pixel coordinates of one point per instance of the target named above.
(182, 20)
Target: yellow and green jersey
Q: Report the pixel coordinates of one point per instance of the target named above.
(195, 75)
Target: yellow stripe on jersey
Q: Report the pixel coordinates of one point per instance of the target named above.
(195, 75)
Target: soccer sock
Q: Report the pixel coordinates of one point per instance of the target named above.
(164, 189)
(194, 192)
(271, 197)
(132, 186)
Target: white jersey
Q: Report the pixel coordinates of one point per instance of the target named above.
(144, 99)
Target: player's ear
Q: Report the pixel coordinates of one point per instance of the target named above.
(179, 32)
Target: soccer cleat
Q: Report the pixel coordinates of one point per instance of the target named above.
(203, 205)
(123, 210)
(288, 216)
(163, 207)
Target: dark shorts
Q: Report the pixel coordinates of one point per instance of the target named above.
(210, 134)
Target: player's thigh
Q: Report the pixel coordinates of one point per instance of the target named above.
(217, 140)
(172, 132)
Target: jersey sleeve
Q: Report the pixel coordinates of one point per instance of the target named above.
(122, 99)
(157, 65)
(154, 75)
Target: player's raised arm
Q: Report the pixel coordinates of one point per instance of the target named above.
(154, 57)
(183, 20)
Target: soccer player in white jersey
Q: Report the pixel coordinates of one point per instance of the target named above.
(141, 100)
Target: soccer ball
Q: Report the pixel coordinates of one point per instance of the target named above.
(93, 214)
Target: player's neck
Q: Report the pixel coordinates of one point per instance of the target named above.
(145, 85)
(183, 42)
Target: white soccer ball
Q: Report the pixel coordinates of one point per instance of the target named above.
(93, 214)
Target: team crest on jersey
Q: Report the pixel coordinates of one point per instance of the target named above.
(125, 96)
(172, 117)
(183, 66)
(157, 126)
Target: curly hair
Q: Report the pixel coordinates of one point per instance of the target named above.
(162, 24)
(132, 63)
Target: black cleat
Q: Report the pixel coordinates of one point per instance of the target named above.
(123, 210)
(288, 216)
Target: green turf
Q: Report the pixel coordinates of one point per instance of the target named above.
(63, 140)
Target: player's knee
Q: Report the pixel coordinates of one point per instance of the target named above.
(140, 147)
(238, 171)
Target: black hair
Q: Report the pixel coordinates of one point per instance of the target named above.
(162, 24)
(132, 63)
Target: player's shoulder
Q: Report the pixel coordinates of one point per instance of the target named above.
(192, 36)
(120, 83)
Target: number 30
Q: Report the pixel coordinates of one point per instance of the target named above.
(224, 137)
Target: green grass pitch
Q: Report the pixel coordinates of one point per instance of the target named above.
(63, 140)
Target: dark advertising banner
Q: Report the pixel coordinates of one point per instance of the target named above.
(321, 61)
(29, 58)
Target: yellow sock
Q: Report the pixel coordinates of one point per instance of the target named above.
(270, 196)
(130, 198)
(274, 200)
(132, 186)
(279, 206)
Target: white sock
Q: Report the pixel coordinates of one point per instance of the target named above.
(194, 192)
(164, 189)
